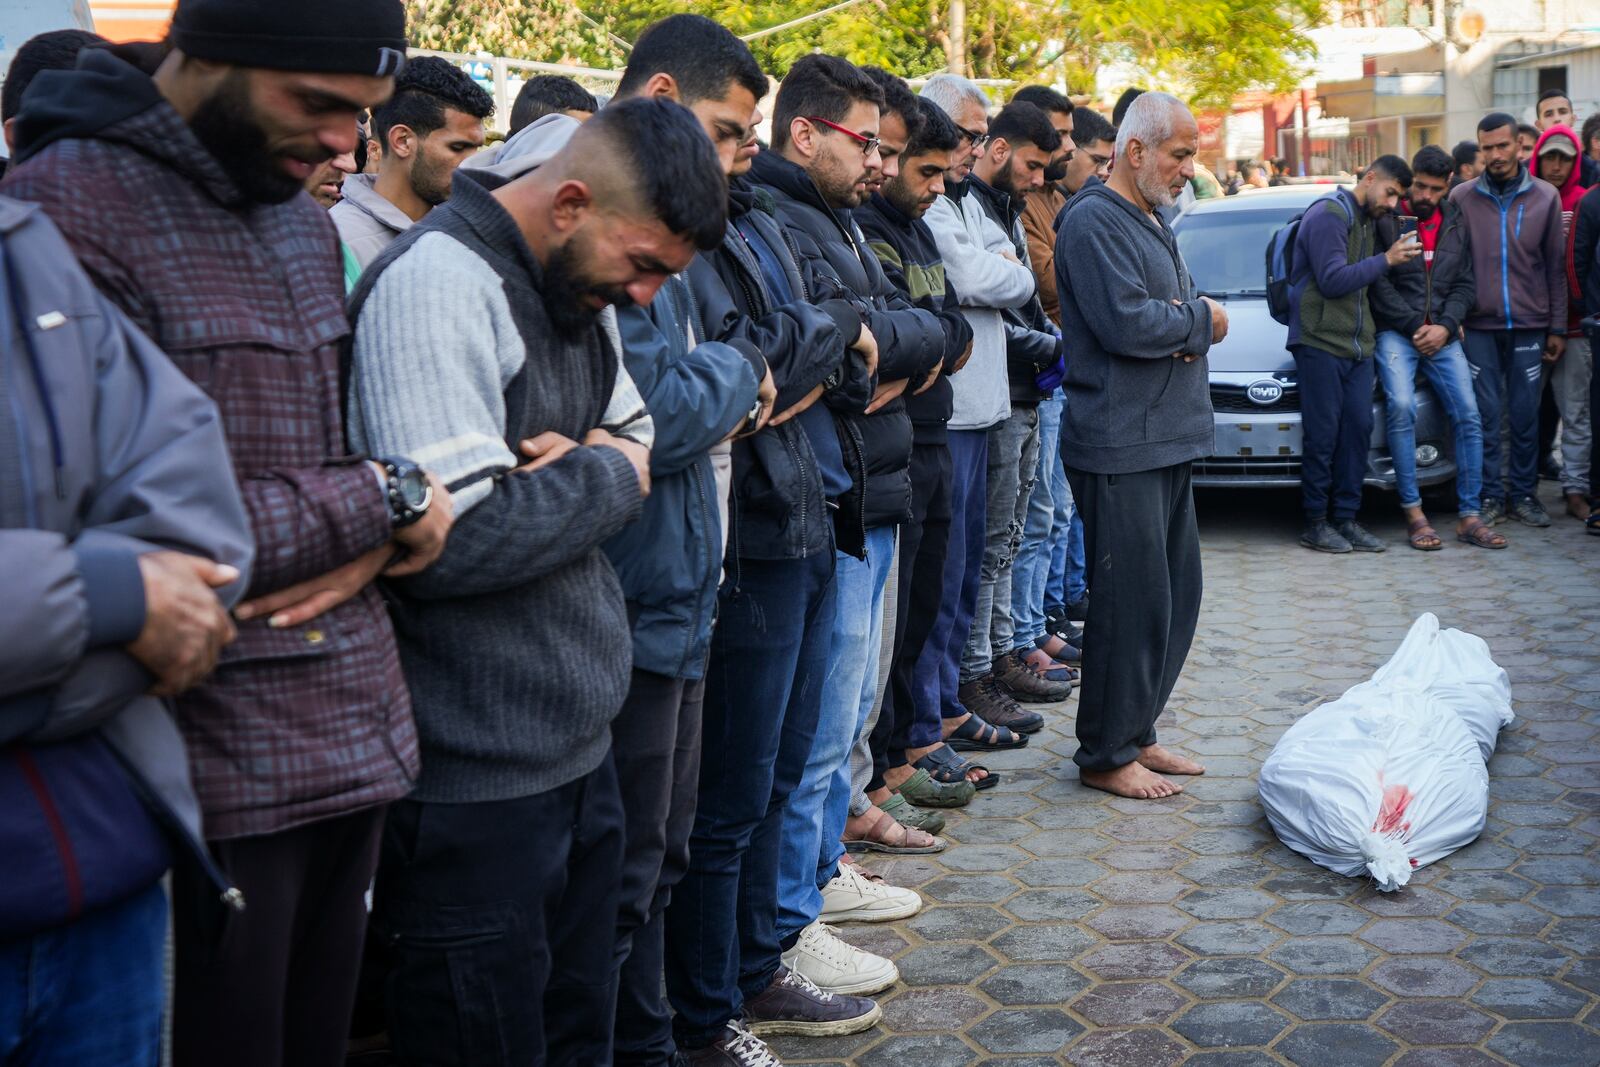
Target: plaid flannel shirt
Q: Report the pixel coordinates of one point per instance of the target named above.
(296, 724)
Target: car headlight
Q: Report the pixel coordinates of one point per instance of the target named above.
(1427, 455)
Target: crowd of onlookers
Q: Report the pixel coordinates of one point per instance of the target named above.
(589, 544)
(1473, 270)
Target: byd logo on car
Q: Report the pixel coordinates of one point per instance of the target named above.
(1265, 392)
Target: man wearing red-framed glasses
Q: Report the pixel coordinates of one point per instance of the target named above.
(826, 154)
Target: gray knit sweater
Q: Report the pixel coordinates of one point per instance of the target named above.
(516, 642)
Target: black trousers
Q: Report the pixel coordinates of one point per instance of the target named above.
(655, 741)
(1336, 417)
(919, 588)
(500, 921)
(1143, 552)
(273, 985)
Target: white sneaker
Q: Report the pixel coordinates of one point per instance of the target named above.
(851, 896)
(836, 966)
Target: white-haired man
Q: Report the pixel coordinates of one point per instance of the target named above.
(1138, 414)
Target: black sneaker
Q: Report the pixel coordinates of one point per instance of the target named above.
(1078, 610)
(1528, 511)
(1322, 537)
(1360, 540)
(794, 1004)
(1065, 630)
(737, 1047)
(1493, 511)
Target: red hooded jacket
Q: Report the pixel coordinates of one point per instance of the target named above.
(1571, 192)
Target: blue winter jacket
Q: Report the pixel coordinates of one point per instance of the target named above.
(670, 560)
(107, 452)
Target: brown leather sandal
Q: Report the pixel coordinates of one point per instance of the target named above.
(1421, 536)
(1480, 533)
(888, 835)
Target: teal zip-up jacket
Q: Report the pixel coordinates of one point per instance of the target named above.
(1519, 254)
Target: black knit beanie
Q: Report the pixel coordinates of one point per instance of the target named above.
(326, 36)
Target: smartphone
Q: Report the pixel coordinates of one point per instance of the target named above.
(1408, 224)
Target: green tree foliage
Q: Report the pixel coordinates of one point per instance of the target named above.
(549, 31)
(1207, 50)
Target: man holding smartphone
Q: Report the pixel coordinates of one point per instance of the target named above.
(1332, 337)
(1419, 307)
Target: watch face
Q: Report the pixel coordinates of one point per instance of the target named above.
(413, 487)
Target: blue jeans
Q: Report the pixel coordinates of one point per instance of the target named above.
(1068, 579)
(938, 673)
(1008, 483)
(1031, 571)
(1508, 377)
(769, 656)
(815, 815)
(1451, 378)
(88, 992)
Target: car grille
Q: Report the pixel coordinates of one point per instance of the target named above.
(1234, 400)
(1287, 467)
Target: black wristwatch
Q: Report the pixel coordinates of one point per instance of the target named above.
(408, 491)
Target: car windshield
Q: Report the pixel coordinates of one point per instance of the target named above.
(1226, 251)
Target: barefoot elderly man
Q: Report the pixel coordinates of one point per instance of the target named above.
(1138, 414)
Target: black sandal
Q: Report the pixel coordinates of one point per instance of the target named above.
(975, 735)
(944, 761)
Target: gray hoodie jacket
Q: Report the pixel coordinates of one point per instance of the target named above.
(107, 452)
(367, 223)
(1127, 305)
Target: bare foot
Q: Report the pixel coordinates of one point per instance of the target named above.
(1130, 780)
(1165, 761)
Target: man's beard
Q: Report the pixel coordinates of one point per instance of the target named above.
(226, 126)
(565, 286)
(1424, 212)
(896, 192)
(430, 182)
(1153, 189)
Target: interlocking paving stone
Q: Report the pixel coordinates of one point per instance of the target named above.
(1129, 922)
(1128, 1003)
(937, 1009)
(1230, 1023)
(1315, 999)
(1234, 938)
(1530, 998)
(1229, 977)
(1336, 1045)
(1545, 1044)
(1514, 956)
(1323, 955)
(1125, 1048)
(1423, 977)
(1434, 1022)
(958, 923)
(1035, 942)
(1026, 1030)
(1413, 936)
(1051, 893)
(1034, 983)
(1137, 959)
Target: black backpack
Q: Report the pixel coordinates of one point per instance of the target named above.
(1280, 262)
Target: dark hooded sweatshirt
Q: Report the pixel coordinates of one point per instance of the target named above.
(1130, 405)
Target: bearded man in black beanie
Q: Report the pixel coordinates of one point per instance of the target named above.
(176, 176)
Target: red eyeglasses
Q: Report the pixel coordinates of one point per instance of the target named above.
(869, 145)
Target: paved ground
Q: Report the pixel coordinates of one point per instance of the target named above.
(1064, 926)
